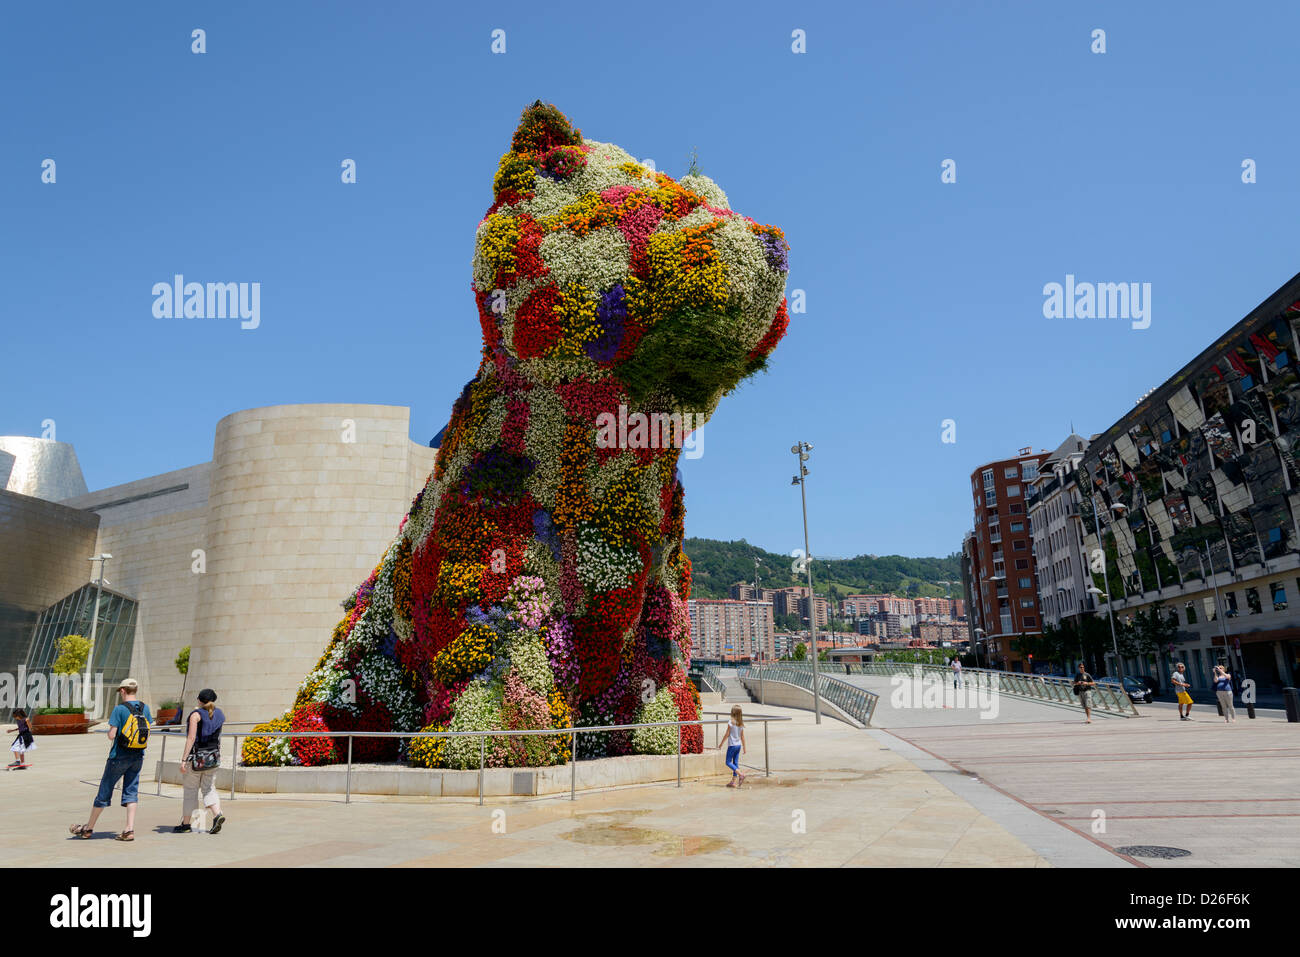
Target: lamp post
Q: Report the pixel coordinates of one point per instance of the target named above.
(801, 449)
(978, 632)
(94, 617)
(1223, 625)
(1105, 577)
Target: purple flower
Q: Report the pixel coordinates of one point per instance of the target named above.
(776, 251)
(612, 314)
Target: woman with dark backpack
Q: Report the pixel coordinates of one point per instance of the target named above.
(200, 761)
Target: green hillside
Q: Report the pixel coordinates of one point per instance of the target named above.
(717, 565)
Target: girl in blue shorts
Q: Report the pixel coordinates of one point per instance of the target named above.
(735, 746)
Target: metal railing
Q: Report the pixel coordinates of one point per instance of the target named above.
(857, 703)
(572, 734)
(712, 678)
(1108, 698)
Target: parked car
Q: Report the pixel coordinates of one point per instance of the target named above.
(1137, 690)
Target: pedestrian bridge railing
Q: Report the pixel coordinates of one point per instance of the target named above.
(711, 678)
(571, 733)
(857, 703)
(1107, 698)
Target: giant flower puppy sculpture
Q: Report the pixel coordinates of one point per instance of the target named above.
(538, 579)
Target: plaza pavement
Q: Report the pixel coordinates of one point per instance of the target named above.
(837, 797)
(1228, 793)
(923, 788)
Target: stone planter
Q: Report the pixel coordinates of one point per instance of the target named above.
(60, 723)
(165, 715)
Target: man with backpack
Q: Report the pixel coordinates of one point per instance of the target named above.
(128, 731)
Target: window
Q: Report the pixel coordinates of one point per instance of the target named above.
(1017, 526)
(1019, 545)
(1030, 621)
(1028, 471)
(1026, 603)
(1278, 591)
(1189, 612)
(988, 478)
(1211, 613)
(991, 498)
(1252, 601)
(1230, 600)
(1015, 508)
(1011, 472)
(1013, 490)
(1026, 583)
(1021, 564)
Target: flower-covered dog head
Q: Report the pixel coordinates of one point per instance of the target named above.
(589, 265)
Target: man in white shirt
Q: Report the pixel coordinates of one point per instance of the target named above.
(956, 672)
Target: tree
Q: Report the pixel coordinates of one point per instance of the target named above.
(1149, 633)
(800, 652)
(71, 654)
(183, 666)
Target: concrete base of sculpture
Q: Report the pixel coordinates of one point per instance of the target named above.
(440, 782)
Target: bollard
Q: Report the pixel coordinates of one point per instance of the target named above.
(482, 756)
(234, 765)
(162, 758)
(1291, 698)
(573, 761)
(679, 754)
(348, 792)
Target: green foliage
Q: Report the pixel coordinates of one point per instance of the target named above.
(36, 711)
(71, 654)
(716, 566)
(183, 661)
(800, 652)
(918, 656)
(1147, 634)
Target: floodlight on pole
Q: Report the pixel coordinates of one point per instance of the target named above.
(802, 449)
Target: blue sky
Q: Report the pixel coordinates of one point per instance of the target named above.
(924, 299)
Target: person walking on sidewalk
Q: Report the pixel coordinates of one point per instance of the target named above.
(199, 764)
(735, 746)
(24, 744)
(128, 732)
(1179, 680)
(1223, 691)
(956, 672)
(1083, 685)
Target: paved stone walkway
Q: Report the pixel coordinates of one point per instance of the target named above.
(1227, 793)
(837, 797)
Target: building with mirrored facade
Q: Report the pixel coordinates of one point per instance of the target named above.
(1193, 497)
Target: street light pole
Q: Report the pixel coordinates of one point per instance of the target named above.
(94, 618)
(801, 449)
(1105, 578)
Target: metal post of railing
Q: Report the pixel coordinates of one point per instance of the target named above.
(234, 764)
(162, 759)
(573, 760)
(767, 765)
(482, 755)
(679, 754)
(348, 798)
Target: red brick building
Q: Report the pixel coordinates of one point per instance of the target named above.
(1004, 581)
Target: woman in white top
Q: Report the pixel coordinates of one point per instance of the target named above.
(735, 742)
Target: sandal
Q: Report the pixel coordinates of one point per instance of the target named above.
(80, 830)
(125, 836)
